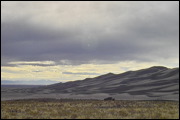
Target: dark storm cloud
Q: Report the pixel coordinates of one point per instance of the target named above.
(30, 43)
(140, 33)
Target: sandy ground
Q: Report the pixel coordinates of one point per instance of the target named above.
(12, 94)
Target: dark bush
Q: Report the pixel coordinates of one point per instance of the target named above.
(109, 98)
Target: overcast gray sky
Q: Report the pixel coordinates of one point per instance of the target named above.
(77, 33)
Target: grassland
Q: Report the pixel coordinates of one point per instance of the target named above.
(88, 109)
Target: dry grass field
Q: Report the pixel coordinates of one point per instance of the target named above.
(88, 109)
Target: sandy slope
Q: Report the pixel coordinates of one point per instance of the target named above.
(155, 83)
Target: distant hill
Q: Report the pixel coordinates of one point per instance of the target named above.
(28, 82)
(19, 86)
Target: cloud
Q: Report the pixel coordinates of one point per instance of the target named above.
(34, 63)
(80, 73)
(63, 73)
(37, 71)
(82, 32)
(74, 40)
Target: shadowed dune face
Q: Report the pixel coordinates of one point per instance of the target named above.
(152, 83)
(158, 77)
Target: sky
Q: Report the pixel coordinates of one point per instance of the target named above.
(66, 40)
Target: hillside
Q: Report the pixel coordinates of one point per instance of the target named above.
(152, 83)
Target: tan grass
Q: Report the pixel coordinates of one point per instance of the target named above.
(89, 109)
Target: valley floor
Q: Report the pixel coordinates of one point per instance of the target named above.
(88, 109)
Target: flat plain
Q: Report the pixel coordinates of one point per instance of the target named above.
(88, 109)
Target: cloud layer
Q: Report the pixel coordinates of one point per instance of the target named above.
(66, 40)
(81, 32)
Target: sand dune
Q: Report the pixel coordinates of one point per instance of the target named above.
(155, 83)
